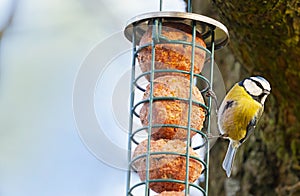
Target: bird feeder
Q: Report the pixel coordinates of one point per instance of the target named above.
(169, 50)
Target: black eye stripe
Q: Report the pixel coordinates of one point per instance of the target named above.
(258, 84)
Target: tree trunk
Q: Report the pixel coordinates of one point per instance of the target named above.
(265, 40)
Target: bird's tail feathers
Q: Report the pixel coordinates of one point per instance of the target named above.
(229, 158)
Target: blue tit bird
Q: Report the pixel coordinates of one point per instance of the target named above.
(239, 112)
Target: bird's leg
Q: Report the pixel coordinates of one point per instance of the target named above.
(211, 136)
(224, 136)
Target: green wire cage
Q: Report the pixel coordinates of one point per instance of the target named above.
(215, 36)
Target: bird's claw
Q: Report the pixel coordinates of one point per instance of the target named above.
(212, 94)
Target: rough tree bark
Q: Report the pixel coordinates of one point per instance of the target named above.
(265, 40)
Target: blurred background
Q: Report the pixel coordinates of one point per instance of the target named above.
(42, 47)
(43, 44)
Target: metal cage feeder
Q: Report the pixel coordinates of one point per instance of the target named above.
(215, 36)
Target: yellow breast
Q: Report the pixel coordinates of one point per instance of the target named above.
(234, 120)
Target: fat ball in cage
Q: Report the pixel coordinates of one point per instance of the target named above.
(171, 49)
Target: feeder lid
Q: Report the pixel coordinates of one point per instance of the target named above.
(204, 25)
